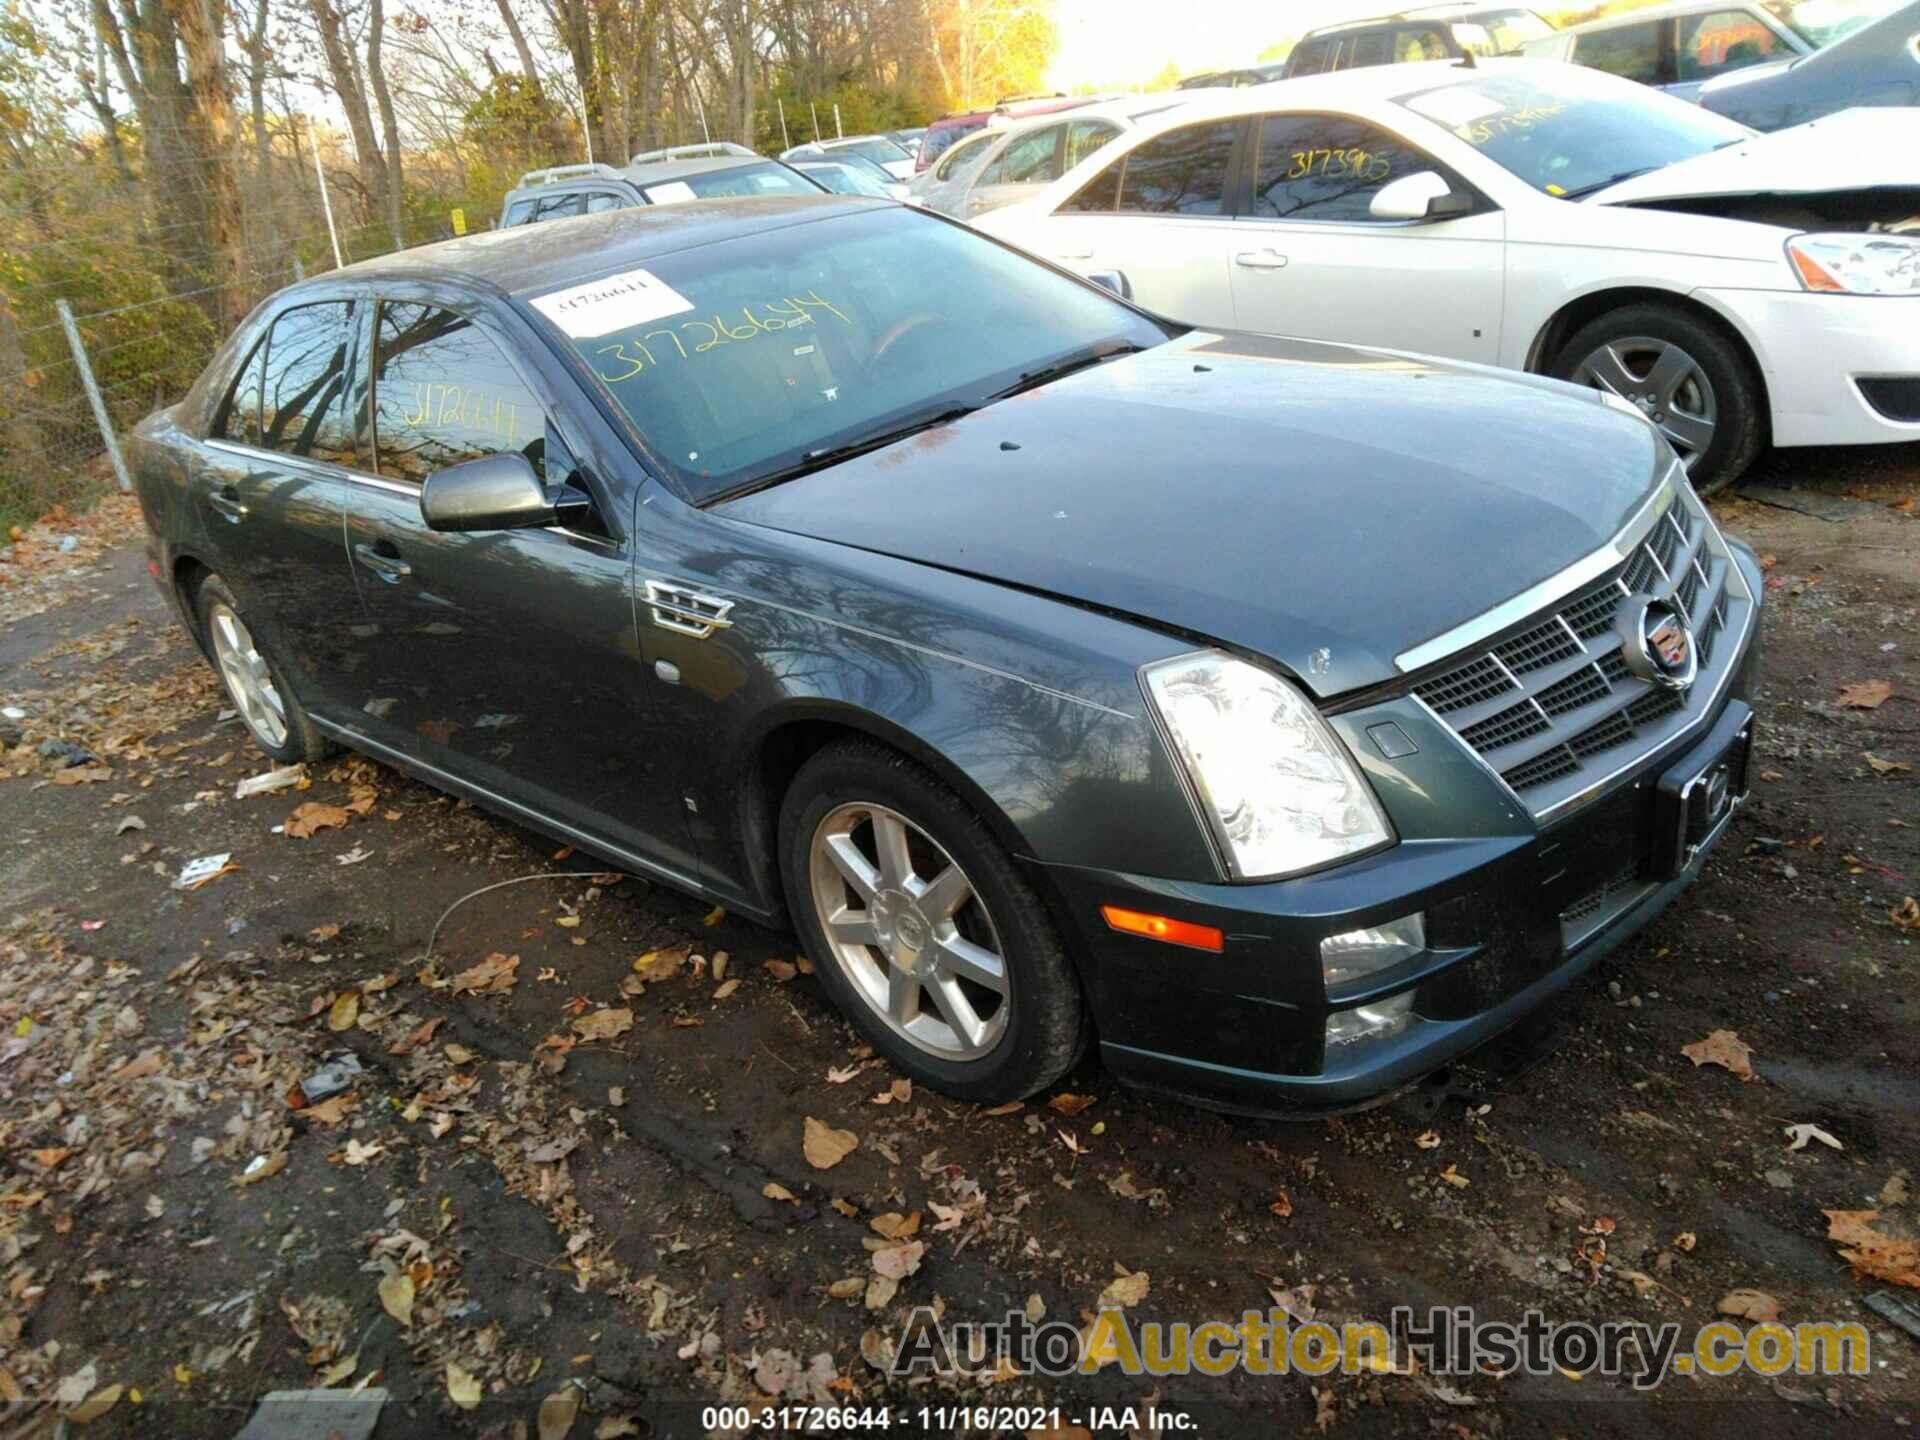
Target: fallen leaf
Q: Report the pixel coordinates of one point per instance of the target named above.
(900, 1092)
(895, 1226)
(1454, 1178)
(418, 1036)
(726, 989)
(844, 1207)
(603, 1025)
(1884, 767)
(840, 1075)
(896, 1262)
(1871, 1252)
(1685, 1241)
(659, 965)
(1866, 694)
(321, 934)
(1894, 1192)
(1128, 1290)
(1906, 914)
(1068, 1104)
(557, 1413)
(715, 916)
(313, 817)
(332, 1112)
(95, 1405)
(254, 1174)
(1724, 1048)
(462, 1388)
(494, 975)
(344, 1011)
(358, 1153)
(1754, 1305)
(781, 970)
(1800, 1134)
(1428, 1140)
(773, 1190)
(826, 1147)
(396, 1297)
(880, 1292)
(848, 1288)
(1282, 1205)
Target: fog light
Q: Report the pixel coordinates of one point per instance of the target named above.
(1356, 953)
(1370, 1022)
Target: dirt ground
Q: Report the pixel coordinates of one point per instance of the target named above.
(569, 1196)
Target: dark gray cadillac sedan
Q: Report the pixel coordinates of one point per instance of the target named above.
(1289, 718)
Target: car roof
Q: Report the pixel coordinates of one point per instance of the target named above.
(1656, 12)
(1336, 87)
(1452, 11)
(652, 172)
(532, 259)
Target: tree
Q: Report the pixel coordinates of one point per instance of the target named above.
(203, 37)
(985, 49)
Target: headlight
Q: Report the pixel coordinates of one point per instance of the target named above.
(1280, 789)
(1856, 264)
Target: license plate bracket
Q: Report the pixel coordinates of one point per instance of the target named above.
(1694, 801)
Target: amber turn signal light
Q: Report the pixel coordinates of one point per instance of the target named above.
(1162, 927)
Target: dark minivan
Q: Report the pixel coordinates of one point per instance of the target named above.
(1060, 673)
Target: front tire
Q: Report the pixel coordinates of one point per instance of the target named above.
(923, 931)
(255, 681)
(1686, 375)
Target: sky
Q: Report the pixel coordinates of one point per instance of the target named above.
(1110, 42)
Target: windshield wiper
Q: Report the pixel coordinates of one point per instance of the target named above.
(1066, 365)
(833, 454)
(1620, 179)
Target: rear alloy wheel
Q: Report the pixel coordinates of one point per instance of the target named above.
(255, 684)
(923, 931)
(1685, 376)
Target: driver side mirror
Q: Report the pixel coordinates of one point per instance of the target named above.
(490, 492)
(1114, 280)
(1421, 196)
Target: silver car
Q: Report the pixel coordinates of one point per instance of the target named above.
(1009, 164)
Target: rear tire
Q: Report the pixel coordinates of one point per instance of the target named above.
(255, 680)
(1685, 374)
(923, 931)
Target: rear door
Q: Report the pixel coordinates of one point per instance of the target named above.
(1160, 215)
(271, 486)
(1311, 260)
(506, 658)
(1640, 51)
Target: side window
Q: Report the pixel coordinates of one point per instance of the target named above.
(304, 411)
(239, 415)
(1084, 137)
(1310, 57)
(520, 212)
(443, 392)
(1369, 49)
(1724, 40)
(562, 207)
(1629, 51)
(1423, 43)
(603, 200)
(1327, 167)
(1027, 160)
(1183, 172)
(1099, 196)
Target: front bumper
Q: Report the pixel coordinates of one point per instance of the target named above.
(1515, 914)
(1816, 350)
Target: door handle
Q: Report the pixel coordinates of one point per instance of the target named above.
(227, 501)
(383, 559)
(1261, 260)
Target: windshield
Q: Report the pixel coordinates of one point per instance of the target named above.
(1576, 132)
(1821, 22)
(766, 179)
(877, 148)
(846, 179)
(740, 359)
(1499, 32)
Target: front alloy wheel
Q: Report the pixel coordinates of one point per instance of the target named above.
(923, 930)
(1664, 382)
(909, 931)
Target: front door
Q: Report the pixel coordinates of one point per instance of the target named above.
(1313, 262)
(505, 658)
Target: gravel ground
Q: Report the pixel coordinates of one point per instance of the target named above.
(569, 1185)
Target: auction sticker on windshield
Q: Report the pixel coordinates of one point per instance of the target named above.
(618, 302)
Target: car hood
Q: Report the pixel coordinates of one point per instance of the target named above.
(1862, 149)
(1323, 506)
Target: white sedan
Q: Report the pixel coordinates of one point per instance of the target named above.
(1738, 289)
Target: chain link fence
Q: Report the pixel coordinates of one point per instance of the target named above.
(120, 242)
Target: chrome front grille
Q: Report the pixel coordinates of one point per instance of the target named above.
(1552, 707)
